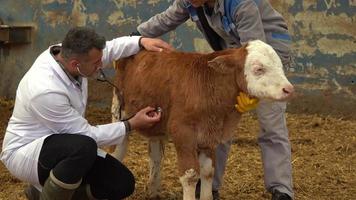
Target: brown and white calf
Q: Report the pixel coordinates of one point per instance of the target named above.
(197, 93)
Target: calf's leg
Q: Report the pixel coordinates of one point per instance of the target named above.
(206, 161)
(156, 152)
(117, 151)
(188, 165)
(120, 150)
(189, 180)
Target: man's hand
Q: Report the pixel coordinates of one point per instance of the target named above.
(145, 118)
(155, 44)
(245, 103)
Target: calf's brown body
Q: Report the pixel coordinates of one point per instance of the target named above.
(197, 93)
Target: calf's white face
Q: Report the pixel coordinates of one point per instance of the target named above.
(264, 73)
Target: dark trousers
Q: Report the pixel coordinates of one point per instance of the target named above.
(74, 157)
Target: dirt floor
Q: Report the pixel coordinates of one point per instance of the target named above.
(323, 150)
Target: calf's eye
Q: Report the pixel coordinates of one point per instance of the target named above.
(258, 71)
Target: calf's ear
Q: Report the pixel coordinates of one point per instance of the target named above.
(223, 64)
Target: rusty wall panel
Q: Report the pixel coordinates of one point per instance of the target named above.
(324, 41)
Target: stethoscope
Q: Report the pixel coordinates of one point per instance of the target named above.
(103, 78)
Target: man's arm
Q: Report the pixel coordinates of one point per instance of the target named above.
(166, 21)
(55, 112)
(129, 45)
(119, 48)
(248, 22)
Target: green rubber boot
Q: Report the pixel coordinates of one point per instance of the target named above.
(55, 189)
(83, 193)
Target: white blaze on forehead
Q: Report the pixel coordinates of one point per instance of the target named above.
(264, 72)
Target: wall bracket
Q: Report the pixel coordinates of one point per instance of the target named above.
(15, 34)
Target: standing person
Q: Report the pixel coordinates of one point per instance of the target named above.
(229, 24)
(49, 143)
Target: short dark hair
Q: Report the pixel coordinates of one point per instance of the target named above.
(80, 40)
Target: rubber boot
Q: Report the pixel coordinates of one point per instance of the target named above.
(32, 193)
(83, 193)
(55, 189)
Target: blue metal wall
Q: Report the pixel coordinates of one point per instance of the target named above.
(324, 34)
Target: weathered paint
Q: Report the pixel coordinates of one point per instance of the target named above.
(324, 41)
(324, 45)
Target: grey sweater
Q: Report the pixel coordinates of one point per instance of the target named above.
(253, 19)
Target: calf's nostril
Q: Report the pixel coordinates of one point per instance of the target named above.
(285, 90)
(288, 89)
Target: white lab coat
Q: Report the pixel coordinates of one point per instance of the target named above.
(48, 102)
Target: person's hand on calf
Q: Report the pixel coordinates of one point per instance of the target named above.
(145, 118)
(155, 44)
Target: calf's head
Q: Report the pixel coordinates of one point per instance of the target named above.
(259, 71)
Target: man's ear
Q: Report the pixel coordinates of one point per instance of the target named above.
(73, 64)
(224, 64)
